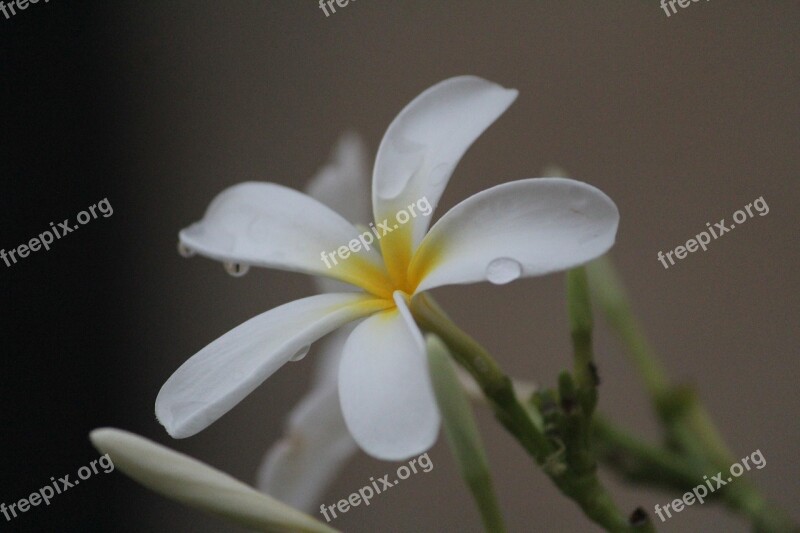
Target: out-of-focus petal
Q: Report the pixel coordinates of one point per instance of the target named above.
(317, 444)
(343, 184)
(198, 485)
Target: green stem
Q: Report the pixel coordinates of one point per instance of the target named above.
(685, 420)
(688, 426)
(765, 518)
(594, 500)
(582, 486)
(493, 382)
(608, 292)
(581, 324)
(642, 463)
(639, 462)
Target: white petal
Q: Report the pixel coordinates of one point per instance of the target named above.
(220, 375)
(189, 481)
(385, 389)
(265, 224)
(343, 184)
(426, 141)
(517, 229)
(299, 467)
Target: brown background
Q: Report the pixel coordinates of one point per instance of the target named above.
(681, 120)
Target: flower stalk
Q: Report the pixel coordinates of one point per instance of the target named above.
(693, 445)
(687, 423)
(493, 382)
(564, 453)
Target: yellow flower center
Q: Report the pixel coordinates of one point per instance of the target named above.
(396, 248)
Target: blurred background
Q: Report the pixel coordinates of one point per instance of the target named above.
(159, 106)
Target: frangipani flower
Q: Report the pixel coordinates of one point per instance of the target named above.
(316, 445)
(518, 229)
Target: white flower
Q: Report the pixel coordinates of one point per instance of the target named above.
(518, 229)
(299, 467)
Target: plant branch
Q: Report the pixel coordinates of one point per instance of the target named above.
(570, 468)
(688, 425)
(694, 441)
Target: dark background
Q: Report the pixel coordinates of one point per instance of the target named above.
(158, 107)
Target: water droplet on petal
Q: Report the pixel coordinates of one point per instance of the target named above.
(300, 354)
(184, 250)
(237, 270)
(503, 270)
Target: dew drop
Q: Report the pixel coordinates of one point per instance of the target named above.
(300, 354)
(237, 270)
(184, 250)
(503, 270)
